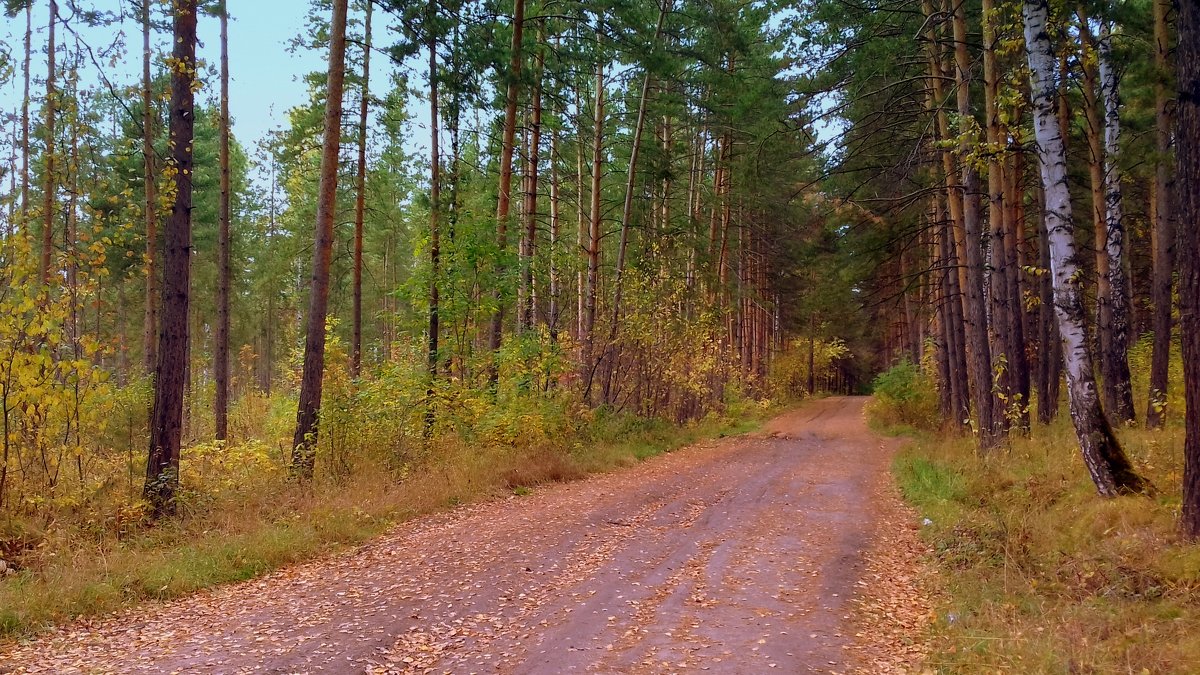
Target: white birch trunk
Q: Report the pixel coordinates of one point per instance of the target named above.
(1106, 462)
(1118, 283)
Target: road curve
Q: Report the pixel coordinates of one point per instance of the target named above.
(741, 556)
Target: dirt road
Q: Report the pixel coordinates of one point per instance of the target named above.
(740, 556)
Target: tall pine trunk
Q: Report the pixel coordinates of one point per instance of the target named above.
(224, 269)
(588, 338)
(170, 373)
(1106, 462)
(1162, 233)
(1187, 154)
(150, 321)
(49, 189)
(504, 197)
(304, 442)
(360, 198)
(435, 208)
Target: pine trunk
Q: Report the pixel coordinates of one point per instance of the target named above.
(1162, 233)
(170, 373)
(360, 196)
(49, 189)
(435, 209)
(593, 240)
(150, 322)
(304, 442)
(224, 269)
(1187, 154)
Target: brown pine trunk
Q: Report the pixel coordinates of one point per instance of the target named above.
(1049, 343)
(360, 197)
(435, 207)
(48, 195)
(166, 427)
(150, 322)
(304, 442)
(1187, 153)
(505, 192)
(224, 269)
(25, 117)
(593, 247)
(529, 306)
(979, 355)
(1014, 242)
(1162, 233)
(555, 231)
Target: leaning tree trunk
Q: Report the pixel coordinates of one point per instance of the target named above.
(224, 270)
(304, 443)
(1187, 153)
(1110, 469)
(170, 373)
(1117, 371)
(1162, 232)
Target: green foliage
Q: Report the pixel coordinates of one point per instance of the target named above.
(906, 397)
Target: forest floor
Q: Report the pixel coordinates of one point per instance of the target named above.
(787, 549)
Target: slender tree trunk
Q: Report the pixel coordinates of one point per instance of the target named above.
(25, 117)
(1014, 264)
(162, 465)
(505, 192)
(48, 195)
(555, 231)
(224, 269)
(528, 309)
(150, 322)
(1110, 469)
(435, 207)
(304, 442)
(1187, 154)
(1162, 233)
(978, 350)
(1117, 377)
(360, 197)
(631, 176)
(593, 250)
(1003, 351)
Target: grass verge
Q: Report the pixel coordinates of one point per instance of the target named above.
(79, 569)
(1044, 576)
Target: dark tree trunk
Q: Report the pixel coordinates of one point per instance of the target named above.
(48, 194)
(224, 269)
(150, 322)
(162, 464)
(435, 208)
(1187, 153)
(304, 443)
(1162, 233)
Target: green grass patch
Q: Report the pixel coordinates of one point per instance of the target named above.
(1041, 574)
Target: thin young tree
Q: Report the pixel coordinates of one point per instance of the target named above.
(150, 206)
(166, 425)
(1106, 461)
(304, 442)
(360, 200)
(224, 269)
(1162, 233)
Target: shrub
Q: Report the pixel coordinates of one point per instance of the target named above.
(905, 396)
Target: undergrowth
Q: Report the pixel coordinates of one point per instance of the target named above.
(1044, 576)
(241, 516)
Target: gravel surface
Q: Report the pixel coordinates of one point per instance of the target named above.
(784, 551)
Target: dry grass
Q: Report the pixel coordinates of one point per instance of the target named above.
(1045, 576)
(74, 567)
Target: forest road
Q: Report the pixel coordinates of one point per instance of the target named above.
(741, 555)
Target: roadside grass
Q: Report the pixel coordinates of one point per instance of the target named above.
(77, 569)
(1042, 575)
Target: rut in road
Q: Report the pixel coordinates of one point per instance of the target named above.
(741, 555)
